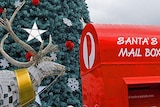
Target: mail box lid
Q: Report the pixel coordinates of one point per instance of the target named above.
(119, 44)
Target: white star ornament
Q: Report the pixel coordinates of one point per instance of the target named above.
(38, 100)
(34, 33)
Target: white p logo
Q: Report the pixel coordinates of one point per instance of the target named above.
(89, 56)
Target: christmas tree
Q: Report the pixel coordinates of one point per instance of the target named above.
(63, 20)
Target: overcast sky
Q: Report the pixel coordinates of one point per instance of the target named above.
(124, 11)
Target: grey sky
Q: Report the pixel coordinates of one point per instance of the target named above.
(125, 11)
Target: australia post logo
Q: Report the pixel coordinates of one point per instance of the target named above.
(89, 50)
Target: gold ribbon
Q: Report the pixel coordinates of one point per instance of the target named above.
(26, 92)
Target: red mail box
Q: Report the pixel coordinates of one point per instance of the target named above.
(120, 65)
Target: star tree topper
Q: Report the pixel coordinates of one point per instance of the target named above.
(34, 33)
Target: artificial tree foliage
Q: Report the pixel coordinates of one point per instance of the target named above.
(50, 15)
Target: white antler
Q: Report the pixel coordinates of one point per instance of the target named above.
(16, 11)
(10, 59)
(6, 24)
(50, 47)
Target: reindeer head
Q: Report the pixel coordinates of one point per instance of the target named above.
(39, 66)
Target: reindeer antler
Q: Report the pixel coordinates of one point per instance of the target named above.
(50, 47)
(42, 52)
(6, 24)
(10, 59)
(16, 11)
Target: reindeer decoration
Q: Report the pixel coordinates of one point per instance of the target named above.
(18, 88)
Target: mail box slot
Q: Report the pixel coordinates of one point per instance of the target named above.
(119, 63)
(144, 95)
